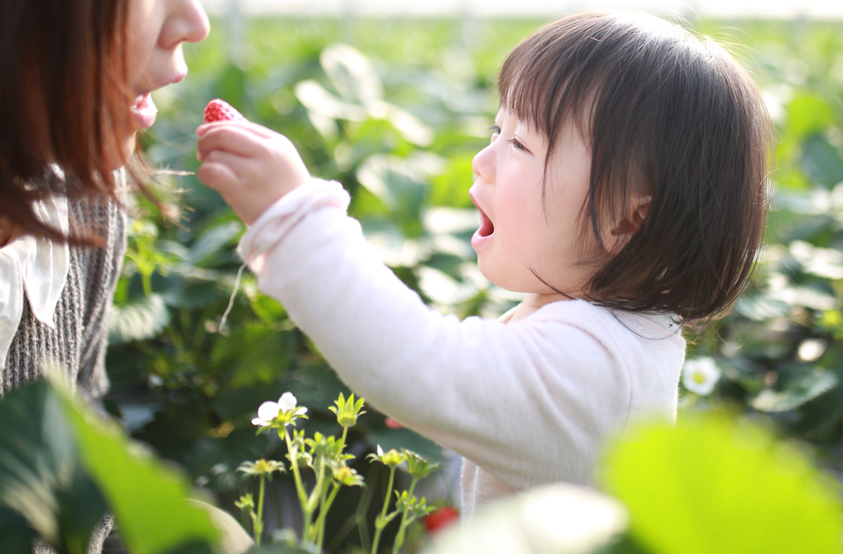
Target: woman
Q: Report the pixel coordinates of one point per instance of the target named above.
(77, 78)
(75, 90)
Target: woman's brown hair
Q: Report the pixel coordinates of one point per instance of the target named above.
(64, 99)
(665, 114)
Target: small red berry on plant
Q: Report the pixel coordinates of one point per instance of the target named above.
(220, 110)
(440, 518)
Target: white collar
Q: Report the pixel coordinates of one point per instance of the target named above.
(36, 267)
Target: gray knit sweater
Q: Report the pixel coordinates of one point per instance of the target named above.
(79, 341)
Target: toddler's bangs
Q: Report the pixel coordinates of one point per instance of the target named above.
(542, 83)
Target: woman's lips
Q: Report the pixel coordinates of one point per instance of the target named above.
(144, 111)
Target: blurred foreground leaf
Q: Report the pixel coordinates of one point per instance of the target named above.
(716, 485)
(44, 490)
(61, 467)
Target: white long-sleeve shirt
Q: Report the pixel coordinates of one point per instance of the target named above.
(525, 403)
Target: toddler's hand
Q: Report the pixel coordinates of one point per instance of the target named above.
(249, 165)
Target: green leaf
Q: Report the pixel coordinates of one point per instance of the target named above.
(148, 500)
(192, 291)
(141, 318)
(761, 307)
(268, 310)
(821, 417)
(15, 534)
(257, 353)
(401, 184)
(450, 188)
(213, 240)
(808, 114)
(716, 485)
(352, 74)
(43, 487)
(821, 161)
(795, 386)
(822, 262)
(231, 86)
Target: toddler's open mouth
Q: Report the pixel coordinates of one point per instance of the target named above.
(487, 228)
(486, 225)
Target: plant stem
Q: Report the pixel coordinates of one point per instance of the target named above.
(379, 525)
(297, 478)
(259, 521)
(344, 434)
(313, 502)
(323, 514)
(146, 281)
(399, 538)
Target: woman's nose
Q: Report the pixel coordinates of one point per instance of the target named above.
(188, 23)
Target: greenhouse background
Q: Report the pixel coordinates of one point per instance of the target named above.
(393, 99)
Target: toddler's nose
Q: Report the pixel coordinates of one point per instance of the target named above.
(482, 165)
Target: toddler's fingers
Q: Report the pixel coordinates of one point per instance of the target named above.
(219, 172)
(256, 128)
(235, 139)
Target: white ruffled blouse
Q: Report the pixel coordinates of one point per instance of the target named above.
(36, 267)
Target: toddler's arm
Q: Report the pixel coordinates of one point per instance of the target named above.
(249, 165)
(528, 402)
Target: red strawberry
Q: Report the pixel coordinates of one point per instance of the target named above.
(220, 110)
(440, 518)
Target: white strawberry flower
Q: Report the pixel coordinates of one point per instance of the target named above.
(279, 413)
(287, 403)
(700, 375)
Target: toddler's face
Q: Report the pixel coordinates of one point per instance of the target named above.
(523, 233)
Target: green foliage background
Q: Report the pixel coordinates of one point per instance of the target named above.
(397, 119)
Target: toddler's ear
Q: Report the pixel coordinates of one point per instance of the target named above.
(627, 226)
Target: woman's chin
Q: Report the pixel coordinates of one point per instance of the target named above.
(116, 160)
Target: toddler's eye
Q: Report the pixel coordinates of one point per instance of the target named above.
(495, 131)
(516, 144)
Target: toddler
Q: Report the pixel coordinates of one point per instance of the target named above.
(623, 192)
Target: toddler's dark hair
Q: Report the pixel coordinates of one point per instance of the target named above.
(665, 114)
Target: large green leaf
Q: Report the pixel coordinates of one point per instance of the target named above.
(796, 385)
(44, 490)
(16, 535)
(808, 114)
(62, 466)
(254, 353)
(401, 184)
(149, 501)
(822, 161)
(352, 74)
(716, 485)
(141, 318)
(213, 240)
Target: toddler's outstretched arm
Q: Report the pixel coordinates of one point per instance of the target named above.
(529, 402)
(249, 165)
